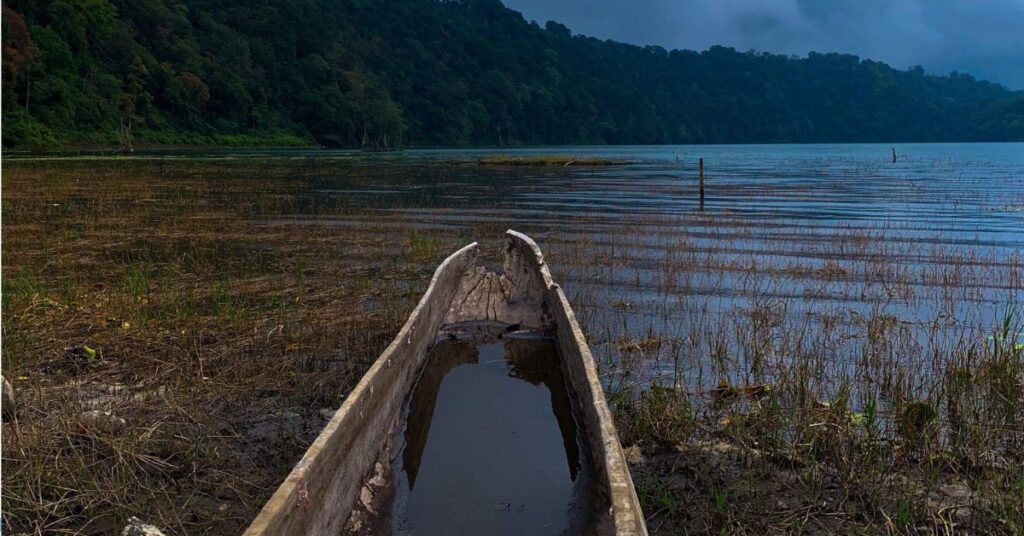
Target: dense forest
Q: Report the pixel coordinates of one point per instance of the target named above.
(432, 72)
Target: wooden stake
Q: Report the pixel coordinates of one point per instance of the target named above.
(701, 174)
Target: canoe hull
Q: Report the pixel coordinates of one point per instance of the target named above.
(318, 495)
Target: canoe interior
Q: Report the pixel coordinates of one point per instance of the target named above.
(348, 463)
(489, 444)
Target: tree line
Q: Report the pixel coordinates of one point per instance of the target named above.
(366, 73)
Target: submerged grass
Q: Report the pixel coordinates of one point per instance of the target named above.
(548, 160)
(765, 380)
(743, 417)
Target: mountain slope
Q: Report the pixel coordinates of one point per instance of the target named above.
(431, 72)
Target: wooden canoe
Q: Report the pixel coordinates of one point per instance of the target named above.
(320, 493)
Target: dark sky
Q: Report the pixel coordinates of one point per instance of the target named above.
(981, 37)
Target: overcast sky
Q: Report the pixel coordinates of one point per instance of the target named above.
(981, 37)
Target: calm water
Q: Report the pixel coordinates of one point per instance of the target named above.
(835, 240)
(967, 192)
(491, 445)
(951, 193)
(831, 239)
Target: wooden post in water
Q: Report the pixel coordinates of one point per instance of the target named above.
(893, 155)
(701, 175)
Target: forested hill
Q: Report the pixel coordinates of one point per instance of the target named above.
(431, 72)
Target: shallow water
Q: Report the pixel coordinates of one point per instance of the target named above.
(491, 445)
(831, 235)
(834, 240)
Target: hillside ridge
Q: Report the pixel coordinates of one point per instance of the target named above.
(354, 73)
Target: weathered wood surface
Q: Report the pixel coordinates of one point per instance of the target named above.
(626, 516)
(515, 296)
(319, 495)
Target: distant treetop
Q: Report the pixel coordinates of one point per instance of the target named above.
(427, 72)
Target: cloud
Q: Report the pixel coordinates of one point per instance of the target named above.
(985, 38)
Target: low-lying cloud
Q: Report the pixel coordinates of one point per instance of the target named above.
(981, 37)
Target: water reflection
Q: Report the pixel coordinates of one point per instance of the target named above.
(491, 445)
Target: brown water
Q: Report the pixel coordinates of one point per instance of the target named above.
(491, 445)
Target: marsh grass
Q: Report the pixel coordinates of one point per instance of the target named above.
(548, 160)
(754, 419)
(218, 338)
(772, 379)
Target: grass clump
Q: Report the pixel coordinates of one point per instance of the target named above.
(659, 414)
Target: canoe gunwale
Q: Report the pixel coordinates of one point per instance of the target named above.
(581, 371)
(324, 472)
(320, 493)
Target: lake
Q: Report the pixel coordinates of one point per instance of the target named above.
(925, 253)
(906, 259)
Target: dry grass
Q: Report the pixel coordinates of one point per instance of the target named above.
(219, 336)
(770, 379)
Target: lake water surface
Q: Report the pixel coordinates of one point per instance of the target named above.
(491, 445)
(925, 253)
(874, 259)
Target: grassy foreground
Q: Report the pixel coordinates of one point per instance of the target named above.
(219, 307)
(217, 337)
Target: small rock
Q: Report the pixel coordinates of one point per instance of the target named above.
(142, 396)
(355, 523)
(327, 413)
(633, 455)
(136, 527)
(8, 400)
(100, 421)
(963, 514)
(956, 492)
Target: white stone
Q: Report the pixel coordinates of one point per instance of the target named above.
(136, 527)
(101, 421)
(8, 400)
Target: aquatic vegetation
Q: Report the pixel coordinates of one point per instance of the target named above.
(548, 160)
(778, 362)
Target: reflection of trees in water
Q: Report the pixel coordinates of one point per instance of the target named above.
(533, 361)
(442, 358)
(539, 363)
